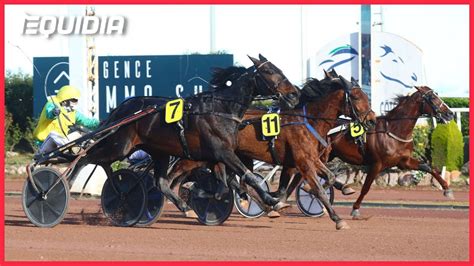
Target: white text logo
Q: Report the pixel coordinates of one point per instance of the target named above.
(87, 25)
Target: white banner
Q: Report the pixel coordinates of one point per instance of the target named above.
(396, 65)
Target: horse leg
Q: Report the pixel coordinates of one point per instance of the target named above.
(235, 164)
(345, 189)
(319, 191)
(163, 181)
(285, 177)
(220, 173)
(183, 169)
(293, 184)
(414, 164)
(331, 178)
(371, 175)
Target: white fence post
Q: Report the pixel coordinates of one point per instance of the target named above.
(458, 112)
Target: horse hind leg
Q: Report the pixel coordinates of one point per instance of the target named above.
(235, 164)
(414, 164)
(163, 182)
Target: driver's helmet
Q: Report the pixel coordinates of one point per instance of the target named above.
(68, 92)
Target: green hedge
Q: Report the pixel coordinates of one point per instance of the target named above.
(447, 147)
(458, 102)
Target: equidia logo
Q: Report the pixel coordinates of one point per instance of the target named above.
(81, 25)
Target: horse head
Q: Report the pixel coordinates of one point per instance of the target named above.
(357, 104)
(432, 105)
(270, 80)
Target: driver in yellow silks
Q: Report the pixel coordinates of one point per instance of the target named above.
(56, 118)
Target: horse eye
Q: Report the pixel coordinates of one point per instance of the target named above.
(270, 71)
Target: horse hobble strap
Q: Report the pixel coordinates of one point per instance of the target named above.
(182, 139)
(271, 147)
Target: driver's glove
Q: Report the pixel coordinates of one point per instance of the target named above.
(56, 111)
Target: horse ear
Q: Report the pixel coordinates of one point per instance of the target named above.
(326, 74)
(262, 58)
(354, 82)
(417, 88)
(255, 61)
(333, 72)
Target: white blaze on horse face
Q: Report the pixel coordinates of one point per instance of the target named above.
(228, 83)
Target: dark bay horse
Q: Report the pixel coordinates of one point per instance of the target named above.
(296, 146)
(390, 143)
(210, 125)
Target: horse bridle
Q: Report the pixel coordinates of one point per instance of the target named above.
(428, 98)
(348, 102)
(272, 89)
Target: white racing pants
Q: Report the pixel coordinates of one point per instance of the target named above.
(54, 140)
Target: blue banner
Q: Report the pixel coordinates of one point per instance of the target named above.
(121, 77)
(49, 75)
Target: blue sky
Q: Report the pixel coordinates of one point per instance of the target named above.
(286, 34)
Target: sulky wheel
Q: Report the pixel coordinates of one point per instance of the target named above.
(249, 207)
(154, 205)
(47, 206)
(198, 192)
(123, 198)
(308, 204)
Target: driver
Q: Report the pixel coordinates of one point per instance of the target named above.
(53, 129)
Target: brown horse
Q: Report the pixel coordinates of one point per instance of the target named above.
(297, 146)
(390, 143)
(209, 128)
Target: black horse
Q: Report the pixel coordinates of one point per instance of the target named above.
(209, 127)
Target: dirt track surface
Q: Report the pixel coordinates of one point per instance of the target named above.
(390, 234)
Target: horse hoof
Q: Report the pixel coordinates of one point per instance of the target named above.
(190, 214)
(355, 214)
(244, 204)
(449, 194)
(306, 188)
(280, 206)
(273, 214)
(342, 225)
(346, 190)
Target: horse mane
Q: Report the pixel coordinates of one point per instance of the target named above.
(220, 76)
(400, 98)
(313, 89)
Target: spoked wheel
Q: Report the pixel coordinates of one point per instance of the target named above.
(123, 198)
(248, 207)
(198, 192)
(48, 207)
(308, 204)
(154, 205)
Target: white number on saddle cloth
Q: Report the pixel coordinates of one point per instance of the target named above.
(174, 111)
(270, 125)
(356, 130)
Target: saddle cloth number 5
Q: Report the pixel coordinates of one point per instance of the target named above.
(174, 111)
(356, 130)
(270, 125)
